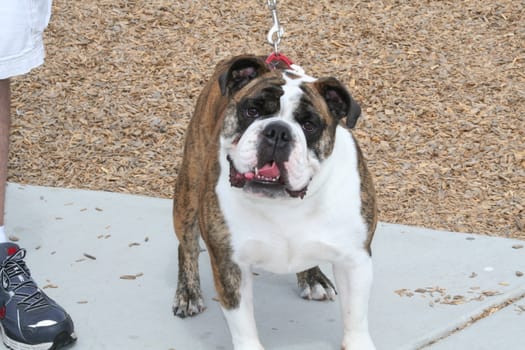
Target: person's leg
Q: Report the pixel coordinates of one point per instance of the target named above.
(29, 319)
(5, 121)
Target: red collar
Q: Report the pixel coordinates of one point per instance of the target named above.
(278, 60)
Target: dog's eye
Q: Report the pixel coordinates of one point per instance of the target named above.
(309, 127)
(251, 112)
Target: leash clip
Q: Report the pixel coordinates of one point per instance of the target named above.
(276, 32)
(276, 59)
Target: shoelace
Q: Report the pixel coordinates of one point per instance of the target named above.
(26, 293)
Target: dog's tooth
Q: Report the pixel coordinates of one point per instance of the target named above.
(256, 171)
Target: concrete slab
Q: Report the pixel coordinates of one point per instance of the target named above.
(503, 330)
(427, 283)
(452, 278)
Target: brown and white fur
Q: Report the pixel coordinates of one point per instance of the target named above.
(273, 178)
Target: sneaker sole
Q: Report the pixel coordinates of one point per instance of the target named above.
(61, 340)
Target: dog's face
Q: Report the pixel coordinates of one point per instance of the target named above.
(279, 126)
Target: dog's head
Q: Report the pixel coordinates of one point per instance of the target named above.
(279, 125)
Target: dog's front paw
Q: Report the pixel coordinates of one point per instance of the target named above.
(188, 303)
(360, 341)
(314, 285)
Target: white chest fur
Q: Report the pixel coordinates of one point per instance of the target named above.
(290, 234)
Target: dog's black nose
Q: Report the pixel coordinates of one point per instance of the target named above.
(277, 134)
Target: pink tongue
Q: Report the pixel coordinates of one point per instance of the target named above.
(270, 170)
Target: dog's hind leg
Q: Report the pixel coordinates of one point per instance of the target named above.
(314, 285)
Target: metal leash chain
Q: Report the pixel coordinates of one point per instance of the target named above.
(276, 32)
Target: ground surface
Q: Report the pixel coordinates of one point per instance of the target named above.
(442, 84)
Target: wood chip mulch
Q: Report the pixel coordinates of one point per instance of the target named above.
(442, 84)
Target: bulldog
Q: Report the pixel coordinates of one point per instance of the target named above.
(272, 178)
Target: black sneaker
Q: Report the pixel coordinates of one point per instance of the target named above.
(29, 319)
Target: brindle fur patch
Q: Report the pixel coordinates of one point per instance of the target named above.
(325, 145)
(193, 195)
(231, 126)
(368, 196)
(216, 235)
(313, 276)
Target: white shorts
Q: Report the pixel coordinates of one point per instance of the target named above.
(22, 23)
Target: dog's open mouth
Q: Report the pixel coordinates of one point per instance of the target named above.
(268, 179)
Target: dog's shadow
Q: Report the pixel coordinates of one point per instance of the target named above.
(284, 319)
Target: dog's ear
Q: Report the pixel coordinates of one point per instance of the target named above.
(339, 101)
(240, 71)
